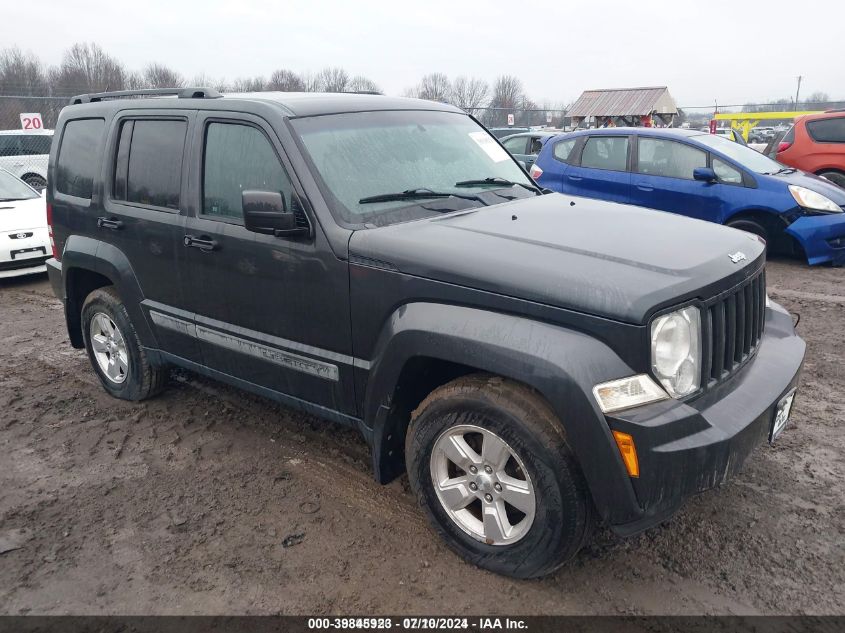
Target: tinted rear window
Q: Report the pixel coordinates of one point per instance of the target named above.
(35, 144)
(78, 157)
(606, 152)
(827, 130)
(154, 171)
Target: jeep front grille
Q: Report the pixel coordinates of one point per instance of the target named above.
(732, 329)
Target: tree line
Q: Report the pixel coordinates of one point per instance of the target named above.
(86, 67)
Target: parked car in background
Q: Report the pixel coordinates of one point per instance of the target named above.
(703, 176)
(525, 147)
(24, 240)
(502, 132)
(816, 143)
(24, 154)
(386, 264)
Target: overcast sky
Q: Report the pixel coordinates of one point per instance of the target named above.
(736, 52)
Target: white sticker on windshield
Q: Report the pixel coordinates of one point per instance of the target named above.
(495, 151)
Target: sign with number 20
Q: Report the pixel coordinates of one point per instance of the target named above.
(31, 121)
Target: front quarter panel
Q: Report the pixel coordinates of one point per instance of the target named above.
(561, 364)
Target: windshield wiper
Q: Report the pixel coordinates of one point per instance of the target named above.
(494, 181)
(415, 194)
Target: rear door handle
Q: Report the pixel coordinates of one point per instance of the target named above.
(109, 223)
(645, 188)
(575, 178)
(203, 242)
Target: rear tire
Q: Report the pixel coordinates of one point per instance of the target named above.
(114, 348)
(524, 432)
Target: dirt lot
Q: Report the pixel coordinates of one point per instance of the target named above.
(209, 500)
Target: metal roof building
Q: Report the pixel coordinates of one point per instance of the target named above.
(628, 106)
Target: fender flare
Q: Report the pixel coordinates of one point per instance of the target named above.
(562, 365)
(84, 253)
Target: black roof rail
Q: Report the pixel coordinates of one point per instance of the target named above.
(181, 93)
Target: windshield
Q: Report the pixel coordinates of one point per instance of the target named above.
(13, 189)
(363, 155)
(744, 156)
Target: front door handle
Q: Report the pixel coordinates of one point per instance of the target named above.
(576, 178)
(203, 242)
(645, 188)
(109, 223)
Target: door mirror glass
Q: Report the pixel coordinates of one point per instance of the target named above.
(704, 174)
(266, 212)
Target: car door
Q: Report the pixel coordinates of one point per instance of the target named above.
(663, 179)
(270, 311)
(142, 224)
(602, 170)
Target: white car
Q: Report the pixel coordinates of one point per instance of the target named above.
(24, 237)
(24, 153)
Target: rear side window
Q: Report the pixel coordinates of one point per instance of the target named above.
(606, 152)
(563, 149)
(78, 159)
(148, 168)
(661, 157)
(237, 158)
(515, 145)
(9, 145)
(827, 130)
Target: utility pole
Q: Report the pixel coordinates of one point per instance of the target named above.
(797, 92)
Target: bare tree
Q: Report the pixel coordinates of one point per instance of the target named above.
(249, 84)
(332, 80)
(160, 76)
(507, 98)
(434, 87)
(21, 73)
(284, 80)
(87, 68)
(205, 81)
(359, 83)
(469, 94)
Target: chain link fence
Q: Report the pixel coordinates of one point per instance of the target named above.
(26, 130)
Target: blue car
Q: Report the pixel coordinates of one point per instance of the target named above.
(702, 176)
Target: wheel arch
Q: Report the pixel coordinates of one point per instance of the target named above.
(772, 222)
(426, 345)
(88, 265)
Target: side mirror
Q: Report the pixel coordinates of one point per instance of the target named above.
(704, 174)
(266, 212)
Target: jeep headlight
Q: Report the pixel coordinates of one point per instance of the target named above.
(676, 351)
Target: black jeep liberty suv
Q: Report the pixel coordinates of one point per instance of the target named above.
(534, 362)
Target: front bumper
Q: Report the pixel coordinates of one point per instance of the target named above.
(822, 237)
(688, 447)
(21, 255)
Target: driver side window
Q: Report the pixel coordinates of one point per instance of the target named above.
(239, 157)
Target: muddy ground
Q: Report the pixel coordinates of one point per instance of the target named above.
(209, 500)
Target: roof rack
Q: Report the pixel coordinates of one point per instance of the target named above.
(181, 93)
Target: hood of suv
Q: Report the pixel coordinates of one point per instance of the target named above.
(612, 260)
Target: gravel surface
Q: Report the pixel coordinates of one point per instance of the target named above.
(207, 500)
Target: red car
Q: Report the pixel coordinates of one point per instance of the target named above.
(816, 144)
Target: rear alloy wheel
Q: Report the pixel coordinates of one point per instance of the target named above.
(489, 464)
(836, 177)
(115, 350)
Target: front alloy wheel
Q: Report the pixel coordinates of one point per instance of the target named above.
(482, 485)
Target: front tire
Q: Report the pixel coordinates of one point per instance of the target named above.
(114, 348)
(750, 226)
(489, 463)
(836, 177)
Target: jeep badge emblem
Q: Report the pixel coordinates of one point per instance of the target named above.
(737, 257)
